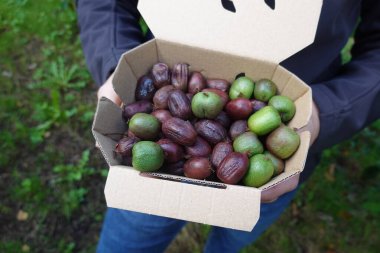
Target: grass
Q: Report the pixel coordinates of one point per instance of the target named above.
(52, 177)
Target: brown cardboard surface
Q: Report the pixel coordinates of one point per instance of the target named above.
(294, 88)
(255, 30)
(108, 119)
(303, 111)
(107, 128)
(280, 78)
(133, 65)
(233, 207)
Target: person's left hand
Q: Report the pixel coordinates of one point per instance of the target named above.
(273, 193)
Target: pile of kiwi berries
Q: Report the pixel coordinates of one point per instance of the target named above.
(185, 124)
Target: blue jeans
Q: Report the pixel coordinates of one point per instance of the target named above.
(131, 232)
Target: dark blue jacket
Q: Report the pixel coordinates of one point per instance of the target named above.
(348, 96)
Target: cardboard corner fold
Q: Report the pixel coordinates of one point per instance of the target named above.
(254, 30)
(107, 128)
(304, 110)
(132, 65)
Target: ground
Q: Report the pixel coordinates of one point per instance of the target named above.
(52, 177)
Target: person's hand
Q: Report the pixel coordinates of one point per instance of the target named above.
(106, 90)
(273, 193)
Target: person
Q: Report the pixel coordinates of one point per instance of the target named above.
(347, 99)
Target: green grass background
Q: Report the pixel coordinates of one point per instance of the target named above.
(52, 177)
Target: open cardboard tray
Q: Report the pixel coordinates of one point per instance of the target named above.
(230, 206)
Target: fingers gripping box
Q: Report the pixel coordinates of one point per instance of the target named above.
(219, 43)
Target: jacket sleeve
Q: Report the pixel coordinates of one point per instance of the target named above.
(351, 100)
(108, 28)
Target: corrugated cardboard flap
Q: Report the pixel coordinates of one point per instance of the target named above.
(254, 30)
(128, 71)
(108, 127)
(235, 207)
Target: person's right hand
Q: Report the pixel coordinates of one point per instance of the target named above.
(106, 90)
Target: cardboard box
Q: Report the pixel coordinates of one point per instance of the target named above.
(220, 44)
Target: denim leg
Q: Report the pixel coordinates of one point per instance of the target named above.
(231, 241)
(132, 232)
